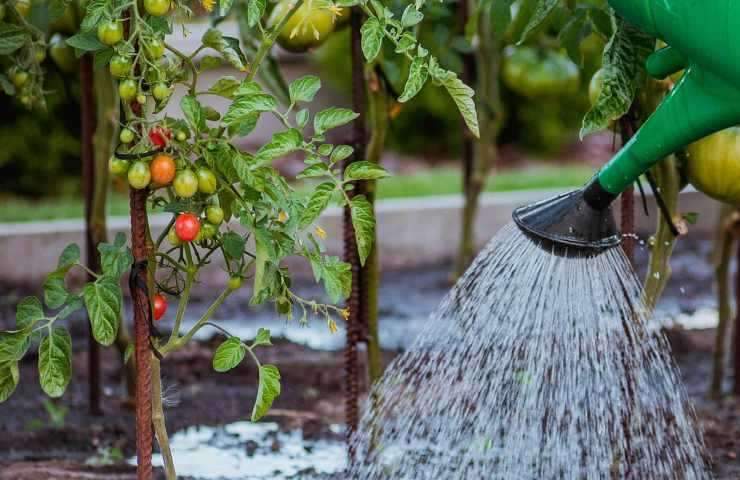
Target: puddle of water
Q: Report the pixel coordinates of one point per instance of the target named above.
(252, 451)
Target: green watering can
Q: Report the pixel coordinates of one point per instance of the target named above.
(702, 36)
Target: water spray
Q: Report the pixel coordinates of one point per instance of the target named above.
(705, 100)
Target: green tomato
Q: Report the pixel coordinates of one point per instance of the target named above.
(138, 175)
(127, 89)
(307, 28)
(126, 135)
(19, 78)
(211, 113)
(173, 238)
(110, 33)
(208, 231)
(234, 283)
(157, 8)
(154, 49)
(161, 92)
(39, 53)
(63, 55)
(186, 183)
(181, 136)
(141, 99)
(120, 66)
(118, 166)
(214, 215)
(207, 181)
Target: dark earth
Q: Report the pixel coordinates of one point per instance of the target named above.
(34, 447)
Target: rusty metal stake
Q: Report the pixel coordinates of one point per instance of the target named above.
(467, 76)
(354, 322)
(87, 118)
(142, 318)
(628, 196)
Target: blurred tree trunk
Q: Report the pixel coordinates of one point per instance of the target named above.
(490, 117)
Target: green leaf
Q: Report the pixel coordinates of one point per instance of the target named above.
(55, 362)
(337, 278)
(462, 95)
(317, 203)
(228, 355)
(282, 143)
(225, 87)
(418, 74)
(234, 245)
(341, 152)
(543, 9)
(9, 376)
(255, 10)
(193, 111)
(55, 293)
(96, 11)
(248, 87)
(262, 338)
(209, 62)
(411, 16)
(246, 106)
(13, 345)
(268, 391)
(85, 42)
(28, 312)
(115, 258)
(73, 304)
(315, 170)
(372, 32)
(691, 217)
(301, 118)
(363, 222)
(224, 6)
(364, 170)
(228, 47)
(103, 301)
(260, 263)
(11, 38)
(332, 117)
(128, 353)
(70, 256)
(501, 14)
(304, 89)
(623, 70)
(7, 87)
(102, 58)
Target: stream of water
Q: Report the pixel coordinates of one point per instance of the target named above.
(535, 366)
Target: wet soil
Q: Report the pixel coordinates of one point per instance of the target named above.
(32, 447)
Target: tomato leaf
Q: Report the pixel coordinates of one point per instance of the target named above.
(304, 89)
(418, 75)
(332, 117)
(315, 170)
(225, 87)
(543, 9)
(262, 338)
(282, 143)
(103, 301)
(11, 38)
(28, 312)
(317, 203)
(364, 170)
(69, 256)
(115, 258)
(224, 6)
(85, 42)
(363, 222)
(13, 345)
(268, 391)
(255, 10)
(193, 111)
(234, 245)
(55, 293)
(248, 108)
(9, 376)
(228, 355)
(411, 16)
(372, 32)
(461, 94)
(336, 275)
(55, 362)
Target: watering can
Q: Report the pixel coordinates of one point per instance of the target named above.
(702, 36)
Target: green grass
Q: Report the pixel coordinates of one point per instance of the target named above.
(443, 181)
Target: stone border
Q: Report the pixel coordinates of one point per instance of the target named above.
(413, 232)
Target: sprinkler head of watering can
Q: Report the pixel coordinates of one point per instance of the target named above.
(576, 223)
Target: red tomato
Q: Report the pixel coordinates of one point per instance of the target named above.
(162, 169)
(159, 136)
(160, 306)
(187, 227)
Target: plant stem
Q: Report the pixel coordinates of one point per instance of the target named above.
(189, 62)
(269, 40)
(724, 241)
(181, 307)
(158, 421)
(178, 343)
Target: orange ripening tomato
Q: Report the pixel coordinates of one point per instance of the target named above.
(162, 169)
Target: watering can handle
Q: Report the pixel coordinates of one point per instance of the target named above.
(665, 62)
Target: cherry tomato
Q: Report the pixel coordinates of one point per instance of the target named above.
(207, 182)
(186, 183)
(118, 166)
(63, 55)
(187, 227)
(154, 49)
(713, 165)
(138, 175)
(162, 169)
(161, 91)
(207, 231)
(126, 136)
(19, 78)
(160, 306)
(110, 33)
(535, 73)
(173, 238)
(215, 215)
(234, 283)
(181, 136)
(120, 66)
(159, 136)
(127, 90)
(39, 53)
(307, 28)
(141, 99)
(157, 8)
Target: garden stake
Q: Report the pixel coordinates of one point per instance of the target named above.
(628, 196)
(142, 318)
(467, 76)
(351, 254)
(87, 117)
(581, 222)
